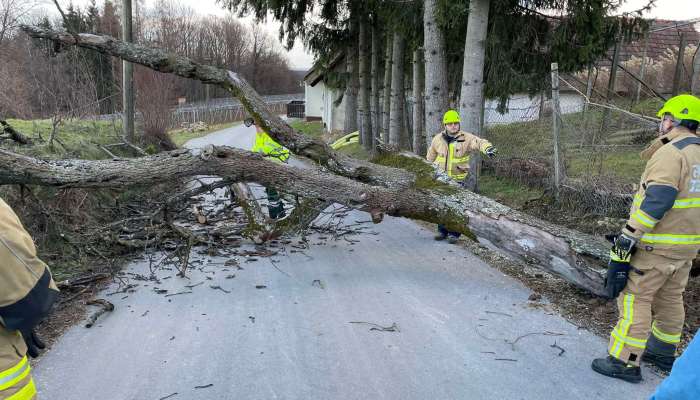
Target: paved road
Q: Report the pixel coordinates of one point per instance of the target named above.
(456, 320)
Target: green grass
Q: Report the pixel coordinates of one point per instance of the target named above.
(355, 150)
(181, 136)
(78, 138)
(312, 129)
(507, 191)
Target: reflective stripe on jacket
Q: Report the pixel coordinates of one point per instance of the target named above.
(453, 158)
(264, 144)
(16, 382)
(665, 214)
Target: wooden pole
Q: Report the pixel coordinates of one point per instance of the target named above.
(127, 76)
(679, 65)
(643, 68)
(555, 128)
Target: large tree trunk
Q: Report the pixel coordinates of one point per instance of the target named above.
(570, 254)
(435, 71)
(365, 117)
(376, 55)
(350, 124)
(471, 105)
(575, 256)
(386, 90)
(419, 139)
(396, 126)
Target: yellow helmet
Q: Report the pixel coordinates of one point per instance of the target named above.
(682, 107)
(450, 117)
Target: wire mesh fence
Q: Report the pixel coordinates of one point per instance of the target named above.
(599, 145)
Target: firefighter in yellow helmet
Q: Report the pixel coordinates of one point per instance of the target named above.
(450, 151)
(27, 292)
(650, 259)
(265, 145)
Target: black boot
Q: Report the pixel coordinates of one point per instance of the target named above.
(615, 368)
(659, 353)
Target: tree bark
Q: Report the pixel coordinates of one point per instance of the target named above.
(364, 61)
(386, 90)
(317, 150)
(471, 105)
(419, 139)
(396, 126)
(376, 49)
(350, 124)
(435, 71)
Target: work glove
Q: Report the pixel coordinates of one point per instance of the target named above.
(623, 246)
(491, 152)
(616, 277)
(695, 269)
(619, 265)
(34, 343)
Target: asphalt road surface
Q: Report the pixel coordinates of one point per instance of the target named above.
(389, 314)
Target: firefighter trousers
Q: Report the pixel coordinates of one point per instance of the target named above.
(652, 302)
(16, 381)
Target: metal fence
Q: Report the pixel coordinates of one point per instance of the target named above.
(597, 144)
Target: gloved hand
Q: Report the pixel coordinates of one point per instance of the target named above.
(491, 152)
(616, 277)
(623, 246)
(34, 343)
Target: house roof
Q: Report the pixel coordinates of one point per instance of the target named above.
(319, 69)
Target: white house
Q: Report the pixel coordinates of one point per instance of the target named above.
(319, 98)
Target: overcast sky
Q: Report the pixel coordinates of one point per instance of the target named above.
(299, 58)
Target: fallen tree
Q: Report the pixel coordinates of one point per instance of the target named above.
(366, 186)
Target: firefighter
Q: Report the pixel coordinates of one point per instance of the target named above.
(651, 258)
(450, 151)
(265, 145)
(27, 292)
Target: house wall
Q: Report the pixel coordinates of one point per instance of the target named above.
(313, 96)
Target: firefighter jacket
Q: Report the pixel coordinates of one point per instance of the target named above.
(451, 154)
(27, 292)
(665, 214)
(264, 144)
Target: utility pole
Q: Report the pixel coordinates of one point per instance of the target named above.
(127, 77)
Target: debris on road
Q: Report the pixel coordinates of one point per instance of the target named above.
(216, 287)
(318, 284)
(204, 386)
(561, 350)
(106, 306)
(375, 327)
(168, 396)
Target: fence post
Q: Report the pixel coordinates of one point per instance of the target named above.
(679, 65)
(643, 68)
(555, 128)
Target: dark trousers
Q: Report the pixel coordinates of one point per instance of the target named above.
(445, 232)
(275, 208)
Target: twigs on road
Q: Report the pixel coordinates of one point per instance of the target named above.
(375, 327)
(106, 306)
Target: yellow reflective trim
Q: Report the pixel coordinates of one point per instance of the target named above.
(484, 146)
(671, 239)
(637, 200)
(644, 219)
(26, 393)
(630, 341)
(623, 326)
(614, 257)
(12, 376)
(687, 203)
(663, 336)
